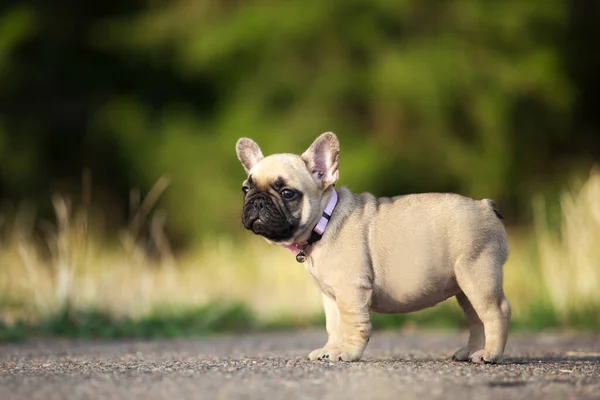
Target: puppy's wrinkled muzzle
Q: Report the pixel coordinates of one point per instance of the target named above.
(263, 217)
(251, 213)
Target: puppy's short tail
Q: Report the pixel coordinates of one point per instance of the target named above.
(492, 205)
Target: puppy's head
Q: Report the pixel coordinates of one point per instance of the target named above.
(284, 193)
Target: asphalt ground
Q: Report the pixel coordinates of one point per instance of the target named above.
(396, 365)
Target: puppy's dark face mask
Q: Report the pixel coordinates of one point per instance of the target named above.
(271, 209)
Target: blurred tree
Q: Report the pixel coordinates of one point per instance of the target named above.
(464, 96)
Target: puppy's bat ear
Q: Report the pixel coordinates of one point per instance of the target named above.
(322, 159)
(248, 153)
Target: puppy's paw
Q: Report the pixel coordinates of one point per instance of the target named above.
(462, 354)
(318, 353)
(338, 353)
(484, 357)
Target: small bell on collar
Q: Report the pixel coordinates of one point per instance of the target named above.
(301, 256)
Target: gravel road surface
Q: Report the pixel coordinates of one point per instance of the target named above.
(275, 366)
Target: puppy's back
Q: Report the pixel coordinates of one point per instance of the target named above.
(453, 223)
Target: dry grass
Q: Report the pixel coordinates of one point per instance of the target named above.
(85, 272)
(570, 259)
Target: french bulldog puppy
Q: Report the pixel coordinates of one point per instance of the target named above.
(383, 254)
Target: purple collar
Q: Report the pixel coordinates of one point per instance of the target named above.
(318, 230)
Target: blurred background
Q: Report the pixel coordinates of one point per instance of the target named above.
(120, 188)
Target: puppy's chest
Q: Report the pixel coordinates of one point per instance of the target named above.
(319, 277)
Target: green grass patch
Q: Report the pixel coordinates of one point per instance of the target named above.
(94, 324)
(542, 315)
(237, 318)
(443, 316)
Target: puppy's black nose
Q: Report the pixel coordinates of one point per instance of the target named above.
(258, 204)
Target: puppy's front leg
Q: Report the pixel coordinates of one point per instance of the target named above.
(353, 305)
(334, 333)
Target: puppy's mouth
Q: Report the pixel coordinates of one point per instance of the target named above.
(269, 231)
(257, 224)
(260, 228)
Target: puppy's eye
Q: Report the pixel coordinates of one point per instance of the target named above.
(288, 194)
(245, 190)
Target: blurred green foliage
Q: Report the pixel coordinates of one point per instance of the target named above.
(486, 99)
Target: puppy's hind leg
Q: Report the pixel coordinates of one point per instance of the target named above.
(481, 282)
(476, 333)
